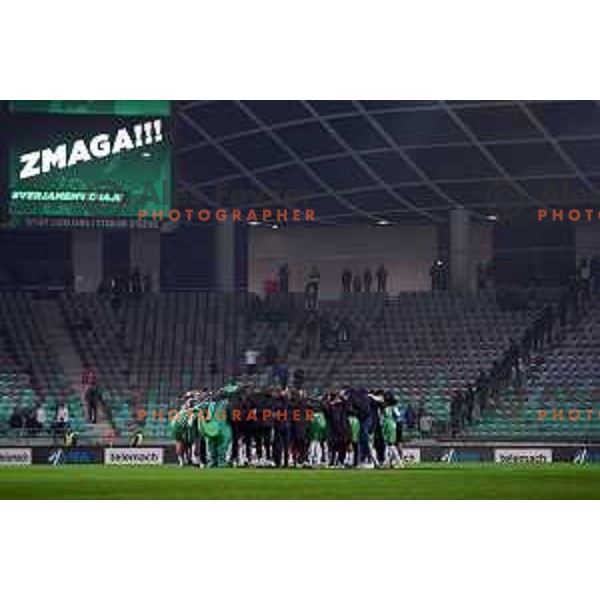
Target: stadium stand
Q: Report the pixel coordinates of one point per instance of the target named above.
(426, 345)
(562, 379)
(420, 346)
(31, 372)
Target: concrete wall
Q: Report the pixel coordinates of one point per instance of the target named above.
(87, 259)
(587, 239)
(481, 245)
(144, 253)
(406, 251)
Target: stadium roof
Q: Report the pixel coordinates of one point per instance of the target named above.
(377, 161)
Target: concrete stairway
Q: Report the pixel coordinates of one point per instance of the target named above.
(61, 344)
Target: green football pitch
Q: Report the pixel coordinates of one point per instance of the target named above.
(423, 481)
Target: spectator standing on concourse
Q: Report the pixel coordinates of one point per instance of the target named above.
(584, 277)
(343, 331)
(61, 421)
(381, 278)
(251, 358)
(346, 280)
(93, 396)
(312, 289)
(16, 420)
(88, 380)
(284, 277)
(40, 416)
(135, 283)
(281, 375)
(439, 275)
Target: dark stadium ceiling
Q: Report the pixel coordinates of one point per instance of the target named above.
(378, 161)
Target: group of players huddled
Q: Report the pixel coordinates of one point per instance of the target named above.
(284, 427)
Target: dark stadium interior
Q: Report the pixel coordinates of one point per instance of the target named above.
(483, 322)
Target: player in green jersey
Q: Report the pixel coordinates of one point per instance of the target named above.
(214, 428)
(317, 435)
(184, 428)
(179, 431)
(390, 438)
(354, 439)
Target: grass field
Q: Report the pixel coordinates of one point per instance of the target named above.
(434, 481)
